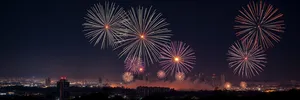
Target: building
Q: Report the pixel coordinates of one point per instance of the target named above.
(222, 80)
(201, 77)
(63, 86)
(100, 80)
(214, 80)
(47, 82)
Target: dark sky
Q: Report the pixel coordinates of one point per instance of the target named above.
(45, 38)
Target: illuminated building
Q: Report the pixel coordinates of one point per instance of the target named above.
(47, 81)
(63, 86)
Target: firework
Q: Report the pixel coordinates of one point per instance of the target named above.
(134, 65)
(127, 77)
(146, 33)
(261, 23)
(161, 74)
(177, 57)
(104, 24)
(179, 76)
(243, 84)
(227, 85)
(246, 59)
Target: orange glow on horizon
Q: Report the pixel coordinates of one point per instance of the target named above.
(113, 85)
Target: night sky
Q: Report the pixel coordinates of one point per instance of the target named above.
(45, 38)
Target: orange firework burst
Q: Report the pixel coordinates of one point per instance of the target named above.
(180, 76)
(161, 74)
(127, 77)
(260, 23)
(134, 65)
(246, 59)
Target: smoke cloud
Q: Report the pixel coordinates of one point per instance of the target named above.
(177, 85)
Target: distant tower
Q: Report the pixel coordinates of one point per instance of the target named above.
(47, 81)
(100, 80)
(213, 80)
(63, 86)
(201, 77)
(222, 79)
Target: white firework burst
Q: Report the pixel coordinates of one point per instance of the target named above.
(146, 33)
(104, 24)
(246, 59)
(177, 57)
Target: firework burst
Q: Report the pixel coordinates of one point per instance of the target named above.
(243, 85)
(179, 76)
(161, 74)
(227, 85)
(134, 65)
(127, 77)
(146, 33)
(104, 24)
(177, 57)
(246, 59)
(261, 23)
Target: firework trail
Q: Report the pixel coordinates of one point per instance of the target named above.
(261, 23)
(177, 57)
(127, 77)
(179, 76)
(146, 33)
(161, 74)
(246, 59)
(104, 24)
(134, 65)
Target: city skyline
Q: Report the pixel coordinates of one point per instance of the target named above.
(46, 39)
